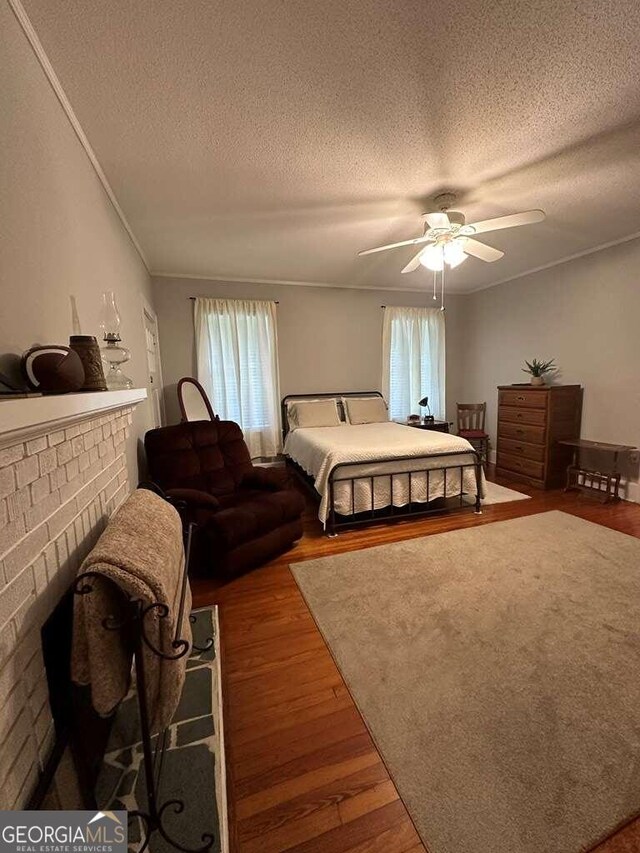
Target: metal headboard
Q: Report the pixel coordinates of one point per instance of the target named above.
(324, 396)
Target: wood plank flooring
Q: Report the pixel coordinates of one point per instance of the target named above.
(303, 773)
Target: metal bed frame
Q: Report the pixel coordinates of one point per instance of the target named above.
(336, 521)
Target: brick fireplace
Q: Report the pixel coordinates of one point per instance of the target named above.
(63, 472)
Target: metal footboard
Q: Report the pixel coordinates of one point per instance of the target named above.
(358, 517)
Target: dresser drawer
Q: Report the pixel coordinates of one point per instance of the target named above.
(535, 417)
(525, 466)
(521, 448)
(523, 399)
(522, 432)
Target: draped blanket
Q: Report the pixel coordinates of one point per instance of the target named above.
(139, 556)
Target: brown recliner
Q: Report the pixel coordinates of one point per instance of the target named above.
(245, 515)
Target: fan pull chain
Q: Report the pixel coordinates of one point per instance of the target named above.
(442, 290)
(435, 281)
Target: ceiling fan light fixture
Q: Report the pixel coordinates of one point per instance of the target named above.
(454, 253)
(433, 258)
(457, 261)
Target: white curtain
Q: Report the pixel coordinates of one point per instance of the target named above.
(237, 358)
(413, 353)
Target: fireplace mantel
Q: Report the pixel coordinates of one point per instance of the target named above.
(23, 418)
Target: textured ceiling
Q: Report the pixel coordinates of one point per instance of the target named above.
(273, 140)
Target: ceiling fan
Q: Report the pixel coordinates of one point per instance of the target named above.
(450, 240)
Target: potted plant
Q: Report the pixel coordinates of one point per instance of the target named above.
(537, 369)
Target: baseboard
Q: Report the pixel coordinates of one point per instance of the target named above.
(633, 492)
(268, 461)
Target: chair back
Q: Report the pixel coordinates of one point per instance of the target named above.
(206, 455)
(471, 416)
(194, 402)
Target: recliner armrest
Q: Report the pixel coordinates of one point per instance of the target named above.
(194, 498)
(268, 479)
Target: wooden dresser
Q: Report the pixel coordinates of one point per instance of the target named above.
(531, 421)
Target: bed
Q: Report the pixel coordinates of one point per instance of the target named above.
(369, 472)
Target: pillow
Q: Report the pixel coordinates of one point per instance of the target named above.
(290, 412)
(365, 410)
(314, 413)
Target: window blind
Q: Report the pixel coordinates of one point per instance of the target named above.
(236, 345)
(413, 360)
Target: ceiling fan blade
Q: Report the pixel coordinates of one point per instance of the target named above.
(482, 251)
(395, 245)
(527, 217)
(414, 263)
(438, 219)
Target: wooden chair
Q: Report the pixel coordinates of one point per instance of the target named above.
(471, 418)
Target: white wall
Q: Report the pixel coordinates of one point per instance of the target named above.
(59, 233)
(329, 339)
(586, 315)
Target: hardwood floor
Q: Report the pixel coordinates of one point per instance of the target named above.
(303, 773)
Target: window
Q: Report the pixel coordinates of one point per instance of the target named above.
(238, 366)
(413, 350)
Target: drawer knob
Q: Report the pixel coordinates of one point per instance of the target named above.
(519, 415)
(520, 399)
(520, 431)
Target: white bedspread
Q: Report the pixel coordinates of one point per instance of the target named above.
(318, 449)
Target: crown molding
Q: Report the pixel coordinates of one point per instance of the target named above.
(627, 239)
(462, 292)
(240, 280)
(39, 51)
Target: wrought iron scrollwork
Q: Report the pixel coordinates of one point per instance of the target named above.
(111, 622)
(155, 823)
(181, 646)
(209, 641)
(135, 618)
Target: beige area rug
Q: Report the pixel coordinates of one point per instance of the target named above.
(495, 494)
(498, 670)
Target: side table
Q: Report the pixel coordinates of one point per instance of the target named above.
(435, 426)
(587, 478)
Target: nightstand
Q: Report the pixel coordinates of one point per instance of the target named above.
(434, 426)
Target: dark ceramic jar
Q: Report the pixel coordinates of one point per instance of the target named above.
(87, 348)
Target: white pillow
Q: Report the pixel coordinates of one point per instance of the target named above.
(365, 410)
(290, 412)
(314, 413)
